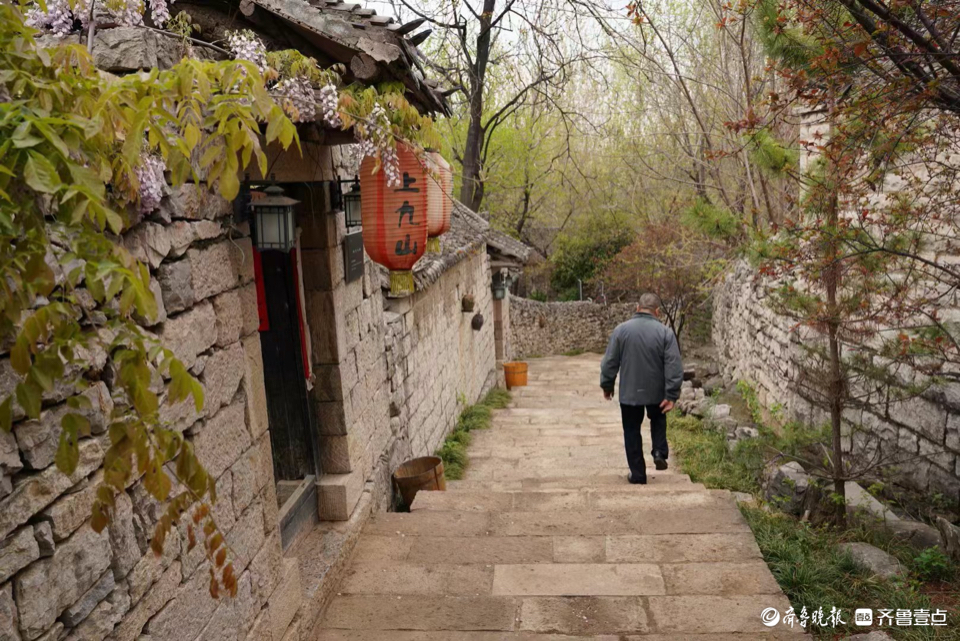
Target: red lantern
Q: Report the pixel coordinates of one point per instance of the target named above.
(439, 206)
(395, 218)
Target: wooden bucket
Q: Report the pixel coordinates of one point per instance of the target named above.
(424, 473)
(515, 374)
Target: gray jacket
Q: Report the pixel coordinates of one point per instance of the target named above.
(645, 353)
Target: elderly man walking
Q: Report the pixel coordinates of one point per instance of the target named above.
(647, 357)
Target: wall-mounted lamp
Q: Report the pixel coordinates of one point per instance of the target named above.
(502, 281)
(274, 220)
(351, 204)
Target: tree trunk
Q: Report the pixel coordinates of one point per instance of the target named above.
(471, 187)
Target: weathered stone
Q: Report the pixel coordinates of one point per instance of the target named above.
(38, 440)
(743, 433)
(36, 492)
(253, 387)
(123, 537)
(194, 202)
(50, 585)
(191, 333)
(859, 501)
(163, 591)
(150, 568)
(266, 568)
(184, 233)
(104, 617)
(246, 537)
(220, 267)
(221, 377)
(125, 49)
(9, 621)
(873, 559)
(919, 535)
(79, 611)
(17, 552)
(62, 387)
(786, 485)
(285, 600)
(232, 617)
(43, 533)
(717, 412)
(176, 288)
(229, 309)
(248, 306)
(148, 243)
(185, 615)
(72, 510)
(246, 479)
(949, 534)
(222, 439)
(10, 462)
(53, 634)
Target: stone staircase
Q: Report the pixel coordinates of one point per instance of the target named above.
(546, 541)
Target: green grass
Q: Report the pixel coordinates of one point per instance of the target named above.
(453, 452)
(574, 352)
(806, 560)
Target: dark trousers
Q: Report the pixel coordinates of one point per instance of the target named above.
(633, 441)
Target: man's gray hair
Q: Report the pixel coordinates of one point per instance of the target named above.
(649, 301)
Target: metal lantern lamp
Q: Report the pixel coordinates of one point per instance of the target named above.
(501, 283)
(351, 205)
(274, 220)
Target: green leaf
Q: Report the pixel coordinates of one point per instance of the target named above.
(30, 398)
(20, 356)
(77, 423)
(6, 414)
(40, 174)
(68, 451)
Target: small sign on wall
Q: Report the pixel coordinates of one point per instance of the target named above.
(353, 256)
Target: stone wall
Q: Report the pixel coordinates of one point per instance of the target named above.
(543, 329)
(921, 434)
(387, 372)
(61, 580)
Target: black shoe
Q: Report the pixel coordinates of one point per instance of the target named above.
(640, 480)
(660, 463)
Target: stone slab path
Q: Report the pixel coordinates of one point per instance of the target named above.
(544, 540)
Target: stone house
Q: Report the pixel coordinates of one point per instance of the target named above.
(317, 383)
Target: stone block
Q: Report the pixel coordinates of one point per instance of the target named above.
(285, 601)
(150, 568)
(10, 462)
(333, 417)
(249, 309)
(922, 416)
(9, 621)
(72, 510)
(38, 439)
(17, 552)
(328, 383)
(191, 333)
(79, 611)
(874, 560)
(246, 479)
(338, 495)
(246, 537)
(255, 410)
(103, 618)
(222, 439)
(221, 377)
(327, 335)
(46, 588)
(335, 455)
(163, 592)
(271, 509)
(229, 309)
(36, 492)
(194, 202)
(43, 533)
(322, 268)
(233, 616)
(123, 537)
(186, 614)
(176, 286)
(260, 630)
(220, 267)
(266, 569)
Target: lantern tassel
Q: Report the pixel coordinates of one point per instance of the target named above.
(401, 282)
(433, 245)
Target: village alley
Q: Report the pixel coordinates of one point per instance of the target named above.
(545, 540)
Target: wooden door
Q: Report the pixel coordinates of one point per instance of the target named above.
(292, 421)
